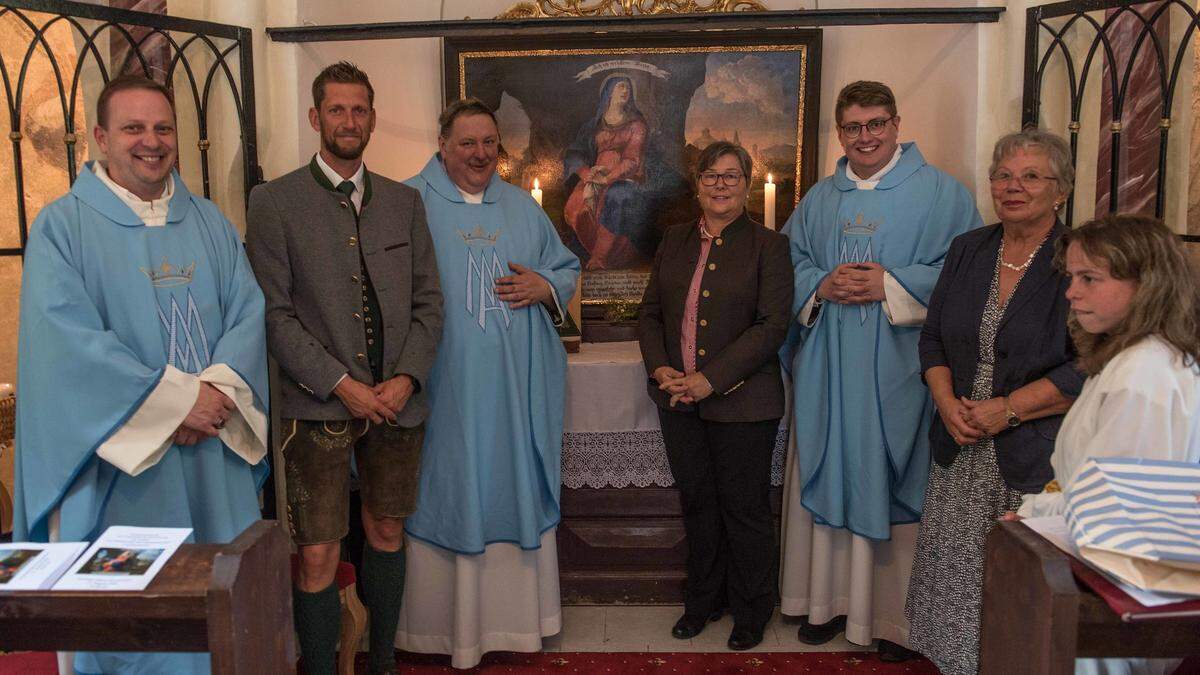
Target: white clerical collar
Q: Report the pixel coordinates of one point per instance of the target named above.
(152, 213)
(471, 197)
(359, 179)
(870, 183)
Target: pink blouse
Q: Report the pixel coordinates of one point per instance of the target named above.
(687, 333)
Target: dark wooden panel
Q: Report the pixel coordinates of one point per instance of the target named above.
(1037, 619)
(625, 545)
(639, 24)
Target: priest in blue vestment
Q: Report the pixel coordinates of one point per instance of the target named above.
(142, 375)
(482, 561)
(867, 246)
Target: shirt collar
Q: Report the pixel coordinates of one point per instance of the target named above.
(471, 197)
(870, 183)
(336, 179)
(153, 212)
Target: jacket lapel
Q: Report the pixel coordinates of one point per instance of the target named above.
(982, 267)
(1041, 271)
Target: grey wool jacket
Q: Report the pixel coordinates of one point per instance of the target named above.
(303, 243)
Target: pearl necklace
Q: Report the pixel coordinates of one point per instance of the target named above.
(1028, 261)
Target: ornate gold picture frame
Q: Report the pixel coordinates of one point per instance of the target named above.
(610, 126)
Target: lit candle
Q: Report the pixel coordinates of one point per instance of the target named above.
(536, 192)
(769, 204)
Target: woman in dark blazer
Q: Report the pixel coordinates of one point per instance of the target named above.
(1000, 364)
(713, 318)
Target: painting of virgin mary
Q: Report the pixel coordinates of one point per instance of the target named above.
(612, 178)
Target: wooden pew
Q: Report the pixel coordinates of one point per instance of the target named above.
(1037, 619)
(233, 600)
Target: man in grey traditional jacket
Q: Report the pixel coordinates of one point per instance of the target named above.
(354, 315)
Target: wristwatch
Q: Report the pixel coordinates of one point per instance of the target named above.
(1014, 420)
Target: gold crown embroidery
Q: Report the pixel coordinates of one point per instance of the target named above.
(165, 276)
(857, 226)
(479, 236)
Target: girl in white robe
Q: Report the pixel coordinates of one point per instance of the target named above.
(1135, 319)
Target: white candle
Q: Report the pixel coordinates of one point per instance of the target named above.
(536, 192)
(769, 204)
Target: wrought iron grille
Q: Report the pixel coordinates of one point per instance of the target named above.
(1070, 34)
(193, 59)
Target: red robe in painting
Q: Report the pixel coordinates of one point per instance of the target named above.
(618, 158)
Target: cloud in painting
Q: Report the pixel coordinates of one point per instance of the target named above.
(748, 80)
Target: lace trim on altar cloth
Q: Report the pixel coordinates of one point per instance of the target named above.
(632, 458)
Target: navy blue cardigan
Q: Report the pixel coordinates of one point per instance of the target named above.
(1032, 342)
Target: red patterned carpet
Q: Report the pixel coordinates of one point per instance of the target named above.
(674, 663)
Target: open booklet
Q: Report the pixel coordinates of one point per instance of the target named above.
(26, 566)
(123, 559)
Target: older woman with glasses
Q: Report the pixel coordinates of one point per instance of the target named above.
(998, 359)
(713, 318)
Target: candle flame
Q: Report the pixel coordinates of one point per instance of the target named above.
(536, 186)
(769, 180)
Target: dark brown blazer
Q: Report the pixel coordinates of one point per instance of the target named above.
(745, 306)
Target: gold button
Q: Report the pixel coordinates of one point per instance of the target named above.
(703, 322)
(369, 331)
(353, 241)
(720, 241)
(361, 357)
(701, 352)
(354, 278)
(368, 319)
(370, 342)
(712, 266)
(357, 317)
(344, 205)
(704, 293)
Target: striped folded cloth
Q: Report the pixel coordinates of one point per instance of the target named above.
(1139, 520)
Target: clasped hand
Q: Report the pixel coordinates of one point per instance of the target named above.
(853, 284)
(970, 421)
(381, 402)
(686, 388)
(524, 288)
(206, 418)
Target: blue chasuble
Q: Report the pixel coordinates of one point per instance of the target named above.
(862, 413)
(490, 466)
(106, 304)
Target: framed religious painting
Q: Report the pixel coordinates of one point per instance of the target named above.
(609, 128)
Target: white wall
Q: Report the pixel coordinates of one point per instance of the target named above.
(927, 66)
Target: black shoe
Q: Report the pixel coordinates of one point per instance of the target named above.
(688, 626)
(742, 639)
(893, 653)
(820, 633)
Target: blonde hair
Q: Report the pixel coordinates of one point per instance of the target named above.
(1166, 303)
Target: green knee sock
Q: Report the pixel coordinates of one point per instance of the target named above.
(383, 588)
(318, 618)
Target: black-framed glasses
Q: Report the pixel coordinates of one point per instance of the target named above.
(1027, 179)
(730, 179)
(875, 126)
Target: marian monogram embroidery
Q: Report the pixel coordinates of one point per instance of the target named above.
(187, 344)
(481, 274)
(857, 248)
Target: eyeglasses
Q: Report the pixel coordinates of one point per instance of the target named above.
(709, 178)
(1027, 180)
(876, 127)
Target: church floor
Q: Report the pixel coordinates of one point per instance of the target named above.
(625, 628)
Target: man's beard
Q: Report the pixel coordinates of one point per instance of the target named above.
(330, 144)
